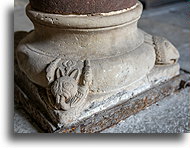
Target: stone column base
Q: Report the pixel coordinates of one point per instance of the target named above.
(83, 73)
(161, 82)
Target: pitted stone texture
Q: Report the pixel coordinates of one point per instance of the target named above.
(170, 115)
(69, 85)
(113, 50)
(81, 6)
(23, 123)
(152, 21)
(111, 43)
(166, 53)
(95, 106)
(174, 26)
(166, 116)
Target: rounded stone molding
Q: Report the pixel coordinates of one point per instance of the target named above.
(112, 42)
(102, 20)
(79, 60)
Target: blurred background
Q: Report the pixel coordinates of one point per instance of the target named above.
(155, 3)
(167, 18)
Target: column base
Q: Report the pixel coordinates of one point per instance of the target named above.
(161, 82)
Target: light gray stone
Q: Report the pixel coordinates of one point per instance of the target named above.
(21, 21)
(23, 123)
(174, 26)
(26, 25)
(119, 55)
(19, 4)
(170, 115)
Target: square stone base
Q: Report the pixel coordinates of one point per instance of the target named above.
(103, 113)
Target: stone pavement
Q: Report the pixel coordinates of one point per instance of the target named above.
(22, 122)
(167, 116)
(170, 115)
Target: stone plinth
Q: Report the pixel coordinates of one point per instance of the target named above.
(100, 115)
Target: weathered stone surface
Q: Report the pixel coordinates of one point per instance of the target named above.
(23, 122)
(88, 39)
(38, 95)
(70, 82)
(36, 112)
(75, 86)
(110, 116)
(170, 115)
(154, 119)
(112, 45)
(174, 26)
(81, 6)
(175, 34)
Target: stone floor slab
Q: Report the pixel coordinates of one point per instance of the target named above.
(170, 115)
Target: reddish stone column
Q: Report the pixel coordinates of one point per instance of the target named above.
(81, 6)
